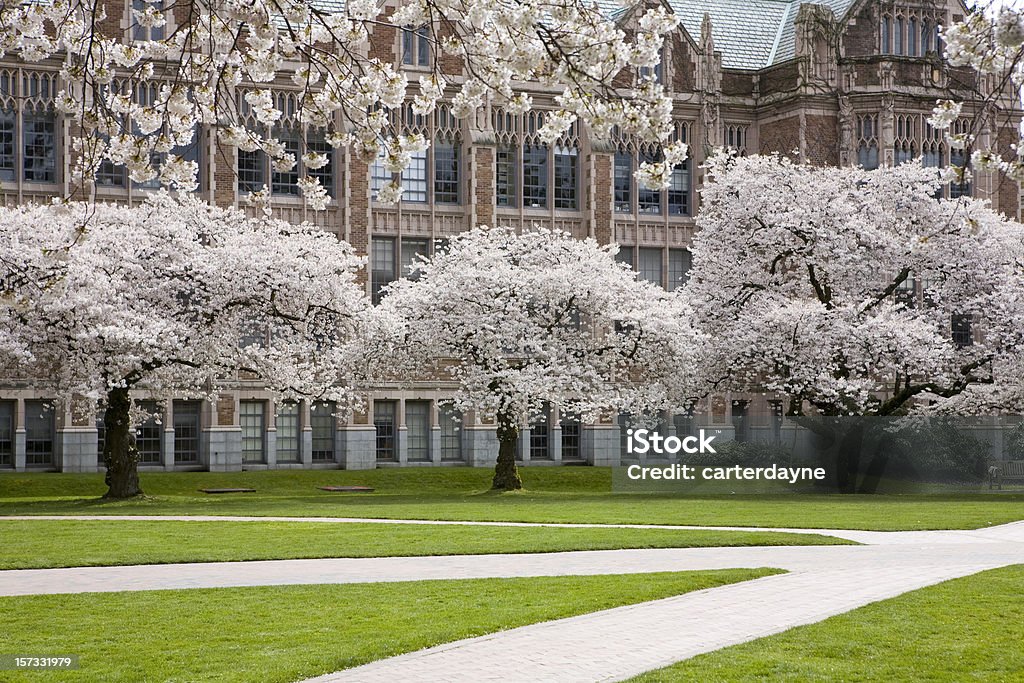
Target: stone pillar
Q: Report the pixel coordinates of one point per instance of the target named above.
(306, 439)
(270, 436)
(401, 433)
(168, 449)
(523, 447)
(435, 433)
(357, 441)
(600, 444)
(555, 435)
(479, 442)
(222, 440)
(19, 436)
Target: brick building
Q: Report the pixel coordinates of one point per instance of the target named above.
(837, 82)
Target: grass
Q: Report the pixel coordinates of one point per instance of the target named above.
(967, 629)
(554, 494)
(71, 543)
(289, 633)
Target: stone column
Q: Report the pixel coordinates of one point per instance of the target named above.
(222, 440)
(168, 449)
(19, 436)
(306, 436)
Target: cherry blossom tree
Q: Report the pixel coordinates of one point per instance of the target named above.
(519, 320)
(172, 296)
(212, 61)
(990, 40)
(841, 288)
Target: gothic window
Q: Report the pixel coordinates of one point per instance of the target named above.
(904, 143)
(530, 172)
(631, 197)
(433, 174)
(416, 46)
(256, 169)
(867, 141)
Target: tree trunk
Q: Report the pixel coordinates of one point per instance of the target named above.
(119, 452)
(506, 476)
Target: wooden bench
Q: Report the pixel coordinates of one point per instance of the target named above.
(1006, 470)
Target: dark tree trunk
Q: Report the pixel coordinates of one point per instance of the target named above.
(506, 476)
(119, 452)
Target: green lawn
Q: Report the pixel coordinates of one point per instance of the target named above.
(289, 633)
(42, 543)
(554, 494)
(968, 629)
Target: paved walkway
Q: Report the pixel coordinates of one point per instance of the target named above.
(612, 644)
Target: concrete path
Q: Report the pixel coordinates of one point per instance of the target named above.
(612, 644)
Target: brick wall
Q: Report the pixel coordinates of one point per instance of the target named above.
(861, 38)
(782, 78)
(601, 201)
(684, 67)
(1007, 199)
(781, 136)
(482, 184)
(822, 140)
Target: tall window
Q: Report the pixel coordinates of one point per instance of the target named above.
(414, 179)
(252, 171)
(7, 144)
(186, 431)
(287, 182)
(39, 433)
(623, 182)
(287, 424)
(387, 263)
(417, 423)
(252, 418)
(885, 38)
(912, 37)
(7, 433)
(384, 422)
(505, 175)
(540, 432)
(451, 434)
(867, 144)
(149, 435)
(961, 329)
(416, 46)
(566, 177)
(321, 420)
(898, 36)
(679, 263)
(40, 152)
(905, 136)
(570, 438)
(535, 176)
(649, 262)
(412, 249)
(446, 173)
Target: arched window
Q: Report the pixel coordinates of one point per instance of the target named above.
(885, 35)
(912, 37)
(898, 35)
(926, 38)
